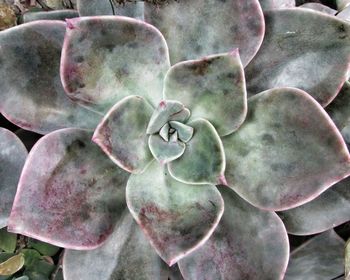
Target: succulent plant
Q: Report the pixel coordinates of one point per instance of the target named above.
(175, 137)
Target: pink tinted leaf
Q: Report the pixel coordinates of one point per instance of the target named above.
(276, 4)
(248, 243)
(176, 217)
(286, 153)
(302, 49)
(70, 194)
(193, 30)
(32, 96)
(107, 58)
(12, 157)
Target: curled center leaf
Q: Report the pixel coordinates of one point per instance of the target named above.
(168, 133)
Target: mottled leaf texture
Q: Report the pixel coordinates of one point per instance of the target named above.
(276, 4)
(125, 255)
(339, 109)
(70, 194)
(122, 133)
(203, 161)
(176, 217)
(12, 157)
(326, 211)
(107, 58)
(319, 7)
(51, 15)
(286, 153)
(248, 243)
(193, 30)
(110, 7)
(320, 258)
(303, 49)
(31, 93)
(212, 88)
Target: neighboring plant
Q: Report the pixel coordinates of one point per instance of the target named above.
(187, 169)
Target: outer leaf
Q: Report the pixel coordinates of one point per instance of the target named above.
(339, 109)
(70, 194)
(12, 265)
(247, 244)
(51, 15)
(12, 157)
(319, 258)
(276, 4)
(122, 133)
(319, 7)
(176, 217)
(126, 255)
(193, 30)
(302, 49)
(212, 88)
(286, 153)
(344, 14)
(326, 211)
(347, 260)
(342, 4)
(104, 58)
(107, 7)
(203, 161)
(32, 96)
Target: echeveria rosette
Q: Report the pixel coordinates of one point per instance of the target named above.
(76, 193)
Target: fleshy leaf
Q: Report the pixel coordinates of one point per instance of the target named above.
(203, 161)
(347, 260)
(185, 132)
(248, 243)
(8, 241)
(165, 111)
(32, 96)
(70, 194)
(342, 4)
(279, 4)
(175, 273)
(164, 151)
(344, 14)
(122, 133)
(176, 217)
(12, 265)
(212, 88)
(319, 258)
(339, 109)
(12, 157)
(286, 153)
(319, 7)
(326, 211)
(107, 7)
(51, 15)
(193, 30)
(107, 58)
(125, 255)
(43, 248)
(302, 49)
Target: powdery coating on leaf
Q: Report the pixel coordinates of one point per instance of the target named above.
(12, 157)
(122, 133)
(286, 153)
(70, 194)
(106, 7)
(51, 15)
(326, 211)
(322, 257)
(276, 4)
(319, 7)
(248, 243)
(125, 255)
(212, 88)
(339, 109)
(107, 58)
(32, 96)
(193, 30)
(177, 218)
(303, 49)
(203, 161)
